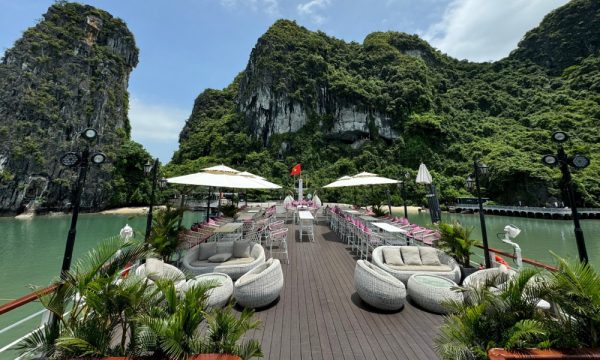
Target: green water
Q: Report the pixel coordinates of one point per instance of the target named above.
(538, 236)
(31, 251)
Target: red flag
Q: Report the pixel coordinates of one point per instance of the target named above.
(296, 170)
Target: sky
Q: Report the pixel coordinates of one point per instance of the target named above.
(187, 46)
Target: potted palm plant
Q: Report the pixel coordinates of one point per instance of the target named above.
(164, 234)
(456, 241)
(99, 313)
(508, 323)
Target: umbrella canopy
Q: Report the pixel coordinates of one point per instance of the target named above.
(339, 182)
(223, 177)
(316, 201)
(361, 179)
(261, 180)
(423, 176)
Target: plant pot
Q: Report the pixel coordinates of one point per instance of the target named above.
(546, 354)
(466, 271)
(214, 357)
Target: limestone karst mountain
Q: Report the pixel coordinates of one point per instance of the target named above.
(392, 101)
(67, 73)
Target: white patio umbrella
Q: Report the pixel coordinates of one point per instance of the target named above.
(261, 180)
(423, 175)
(339, 182)
(317, 201)
(224, 177)
(361, 179)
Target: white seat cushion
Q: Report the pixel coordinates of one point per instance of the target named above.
(239, 261)
(219, 258)
(224, 247)
(429, 256)
(207, 250)
(201, 263)
(392, 256)
(241, 249)
(423, 268)
(410, 255)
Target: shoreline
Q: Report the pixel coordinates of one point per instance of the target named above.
(143, 210)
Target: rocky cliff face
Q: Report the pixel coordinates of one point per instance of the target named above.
(67, 73)
(295, 76)
(392, 101)
(269, 113)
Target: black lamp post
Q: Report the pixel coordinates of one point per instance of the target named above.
(564, 161)
(480, 169)
(402, 185)
(149, 167)
(80, 160)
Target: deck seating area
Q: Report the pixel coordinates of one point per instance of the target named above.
(320, 316)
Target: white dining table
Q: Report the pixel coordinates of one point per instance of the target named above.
(305, 216)
(389, 227)
(397, 235)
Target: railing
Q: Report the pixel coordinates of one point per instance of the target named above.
(564, 211)
(525, 260)
(24, 300)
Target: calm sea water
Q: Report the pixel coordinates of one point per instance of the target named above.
(538, 238)
(31, 251)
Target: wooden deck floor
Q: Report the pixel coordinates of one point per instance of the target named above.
(319, 315)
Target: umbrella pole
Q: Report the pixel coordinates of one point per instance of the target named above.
(208, 204)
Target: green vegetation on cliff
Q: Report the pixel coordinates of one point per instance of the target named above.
(430, 108)
(67, 73)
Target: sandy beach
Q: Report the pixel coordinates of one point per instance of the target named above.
(138, 210)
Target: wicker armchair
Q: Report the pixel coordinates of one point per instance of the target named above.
(218, 296)
(377, 287)
(260, 286)
(493, 277)
(449, 267)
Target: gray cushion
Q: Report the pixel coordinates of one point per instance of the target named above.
(410, 255)
(201, 263)
(429, 256)
(239, 261)
(219, 258)
(392, 256)
(224, 247)
(241, 249)
(207, 250)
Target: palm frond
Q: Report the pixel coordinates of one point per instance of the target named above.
(525, 333)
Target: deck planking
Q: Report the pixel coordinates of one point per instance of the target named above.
(319, 316)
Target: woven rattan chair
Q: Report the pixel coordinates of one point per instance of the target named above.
(378, 288)
(260, 286)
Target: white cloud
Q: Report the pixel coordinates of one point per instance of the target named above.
(311, 9)
(486, 30)
(158, 123)
(269, 7)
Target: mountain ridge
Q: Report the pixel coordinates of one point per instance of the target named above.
(392, 101)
